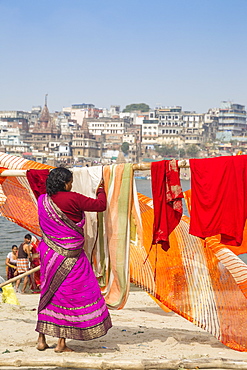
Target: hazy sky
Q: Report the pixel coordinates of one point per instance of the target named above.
(191, 53)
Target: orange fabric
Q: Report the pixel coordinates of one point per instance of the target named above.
(203, 281)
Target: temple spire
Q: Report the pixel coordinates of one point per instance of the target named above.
(45, 118)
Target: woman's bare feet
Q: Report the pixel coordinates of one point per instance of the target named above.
(42, 345)
(64, 349)
(61, 346)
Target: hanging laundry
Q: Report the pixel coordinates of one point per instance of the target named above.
(167, 200)
(219, 198)
(206, 286)
(37, 181)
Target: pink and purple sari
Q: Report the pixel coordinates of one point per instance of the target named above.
(71, 304)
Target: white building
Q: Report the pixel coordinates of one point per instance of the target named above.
(170, 125)
(129, 138)
(79, 112)
(150, 132)
(193, 128)
(62, 150)
(10, 139)
(106, 126)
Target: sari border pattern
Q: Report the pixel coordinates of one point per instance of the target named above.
(60, 250)
(70, 332)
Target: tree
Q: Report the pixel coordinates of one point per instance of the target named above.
(181, 153)
(192, 150)
(142, 107)
(166, 150)
(125, 147)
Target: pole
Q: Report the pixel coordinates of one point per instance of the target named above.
(20, 276)
(147, 166)
(136, 167)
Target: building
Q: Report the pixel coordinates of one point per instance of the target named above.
(134, 151)
(192, 128)
(170, 125)
(78, 112)
(113, 129)
(84, 147)
(34, 116)
(43, 133)
(16, 119)
(232, 122)
(150, 132)
(210, 125)
(10, 140)
(114, 111)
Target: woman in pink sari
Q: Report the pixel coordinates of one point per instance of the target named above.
(71, 305)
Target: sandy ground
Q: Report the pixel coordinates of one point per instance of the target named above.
(142, 333)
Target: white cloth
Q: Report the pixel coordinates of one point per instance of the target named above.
(86, 181)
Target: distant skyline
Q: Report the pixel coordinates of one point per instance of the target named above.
(188, 53)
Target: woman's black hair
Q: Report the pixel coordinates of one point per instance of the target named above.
(13, 246)
(57, 179)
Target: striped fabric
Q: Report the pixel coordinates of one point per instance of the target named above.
(22, 265)
(201, 280)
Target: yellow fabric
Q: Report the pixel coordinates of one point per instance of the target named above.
(8, 295)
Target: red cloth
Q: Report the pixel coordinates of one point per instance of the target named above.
(2, 179)
(73, 204)
(167, 200)
(219, 198)
(35, 277)
(37, 181)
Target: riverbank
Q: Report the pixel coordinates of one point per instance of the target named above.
(143, 337)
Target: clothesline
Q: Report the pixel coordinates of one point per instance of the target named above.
(136, 167)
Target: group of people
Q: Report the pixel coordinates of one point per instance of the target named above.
(20, 260)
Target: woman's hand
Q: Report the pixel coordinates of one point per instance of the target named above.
(101, 184)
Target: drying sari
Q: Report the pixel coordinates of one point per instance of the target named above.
(71, 304)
